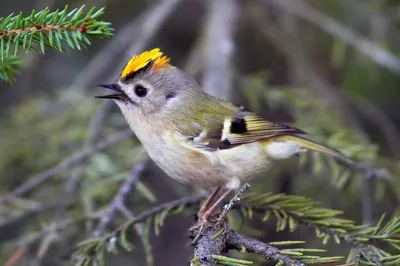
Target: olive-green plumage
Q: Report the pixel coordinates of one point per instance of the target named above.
(196, 138)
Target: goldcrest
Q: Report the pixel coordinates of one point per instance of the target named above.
(194, 137)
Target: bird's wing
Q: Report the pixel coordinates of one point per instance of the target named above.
(240, 128)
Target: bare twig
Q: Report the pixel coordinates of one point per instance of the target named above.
(375, 52)
(367, 168)
(118, 203)
(37, 180)
(219, 47)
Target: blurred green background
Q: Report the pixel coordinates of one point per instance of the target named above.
(330, 67)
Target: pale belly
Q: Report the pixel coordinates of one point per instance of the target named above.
(229, 168)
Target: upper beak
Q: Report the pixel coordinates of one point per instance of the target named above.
(116, 96)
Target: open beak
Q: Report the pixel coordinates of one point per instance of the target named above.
(114, 87)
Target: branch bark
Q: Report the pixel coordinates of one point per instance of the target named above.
(208, 246)
(239, 241)
(213, 242)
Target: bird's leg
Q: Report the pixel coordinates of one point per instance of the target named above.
(204, 218)
(216, 204)
(208, 203)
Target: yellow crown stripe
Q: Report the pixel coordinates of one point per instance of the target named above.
(138, 62)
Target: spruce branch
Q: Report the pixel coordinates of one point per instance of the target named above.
(56, 30)
(208, 246)
(8, 68)
(92, 250)
(218, 238)
(286, 256)
(52, 29)
(290, 211)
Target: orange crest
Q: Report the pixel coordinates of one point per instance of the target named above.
(140, 61)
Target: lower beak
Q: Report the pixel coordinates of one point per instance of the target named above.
(116, 96)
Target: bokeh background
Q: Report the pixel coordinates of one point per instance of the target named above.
(329, 67)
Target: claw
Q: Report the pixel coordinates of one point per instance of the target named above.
(200, 229)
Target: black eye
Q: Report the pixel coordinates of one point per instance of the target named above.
(170, 95)
(140, 91)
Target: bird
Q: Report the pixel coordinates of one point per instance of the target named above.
(196, 138)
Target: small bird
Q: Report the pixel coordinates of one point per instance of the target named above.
(196, 138)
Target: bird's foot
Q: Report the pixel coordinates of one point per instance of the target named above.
(205, 220)
(198, 230)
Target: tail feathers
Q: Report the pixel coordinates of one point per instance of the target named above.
(312, 145)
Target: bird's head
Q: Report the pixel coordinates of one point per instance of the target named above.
(149, 85)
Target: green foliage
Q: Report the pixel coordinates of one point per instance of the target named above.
(223, 260)
(91, 251)
(8, 67)
(42, 29)
(368, 243)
